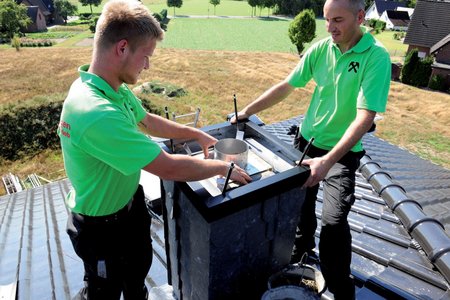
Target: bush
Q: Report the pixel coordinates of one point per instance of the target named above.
(422, 72)
(156, 87)
(93, 24)
(380, 25)
(162, 19)
(437, 83)
(302, 29)
(411, 61)
(28, 130)
(15, 42)
(399, 35)
(27, 42)
(372, 23)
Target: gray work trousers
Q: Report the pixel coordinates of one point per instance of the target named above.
(335, 239)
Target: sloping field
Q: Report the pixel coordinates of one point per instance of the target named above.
(417, 119)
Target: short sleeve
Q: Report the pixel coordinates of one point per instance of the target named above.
(376, 82)
(302, 73)
(136, 103)
(114, 140)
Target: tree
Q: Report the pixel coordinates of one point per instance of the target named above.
(13, 17)
(303, 29)
(269, 4)
(214, 2)
(162, 19)
(289, 7)
(65, 9)
(90, 3)
(253, 4)
(174, 3)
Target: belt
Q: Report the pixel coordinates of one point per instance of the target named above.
(114, 217)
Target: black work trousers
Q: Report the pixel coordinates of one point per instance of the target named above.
(116, 251)
(335, 238)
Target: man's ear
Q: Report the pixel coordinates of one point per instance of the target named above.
(122, 47)
(361, 15)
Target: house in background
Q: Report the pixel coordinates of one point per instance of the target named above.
(378, 7)
(441, 65)
(429, 24)
(45, 9)
(410, 11)
(38, 22)
(396, 20)
(429, 32)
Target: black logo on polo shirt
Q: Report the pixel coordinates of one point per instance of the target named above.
(353, 66)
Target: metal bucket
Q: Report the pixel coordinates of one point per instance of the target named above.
(232, 150)
(295, 272)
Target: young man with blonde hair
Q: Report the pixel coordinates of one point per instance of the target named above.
(352, 75)
(104, 152)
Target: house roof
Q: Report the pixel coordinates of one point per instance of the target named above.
(399, 249)
(398, 18)
(440, 44)
(32, 12)
(430, 23)
(382, 5)
(397, 15)
(39, 3)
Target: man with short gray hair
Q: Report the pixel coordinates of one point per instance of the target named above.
(352, 73)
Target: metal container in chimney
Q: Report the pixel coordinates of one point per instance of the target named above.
(226, 245)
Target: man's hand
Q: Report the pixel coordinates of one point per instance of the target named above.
(319, 168)
(205, 141)
(241, 116)
(239, 175)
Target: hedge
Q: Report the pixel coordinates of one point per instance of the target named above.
(27, 130)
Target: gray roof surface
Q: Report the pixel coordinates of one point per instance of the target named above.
(383, 5)
(398, 18)
(394, 241)
(36, 253)
(429, 24)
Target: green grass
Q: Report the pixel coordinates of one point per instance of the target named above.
(72, 41)
(267, 35)
(190, 7)
(395, 47)
(52, 35)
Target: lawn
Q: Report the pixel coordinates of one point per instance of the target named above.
(267, 35)
(191, 7)
(396, 48)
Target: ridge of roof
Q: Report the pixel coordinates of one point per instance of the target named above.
(440, 44)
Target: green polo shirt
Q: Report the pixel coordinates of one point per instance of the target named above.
(103, 149)
(357, 79)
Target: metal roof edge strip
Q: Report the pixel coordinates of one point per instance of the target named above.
(378, 284)
(368, 252)
(393, 238)
(417, 271)
(443, 265)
